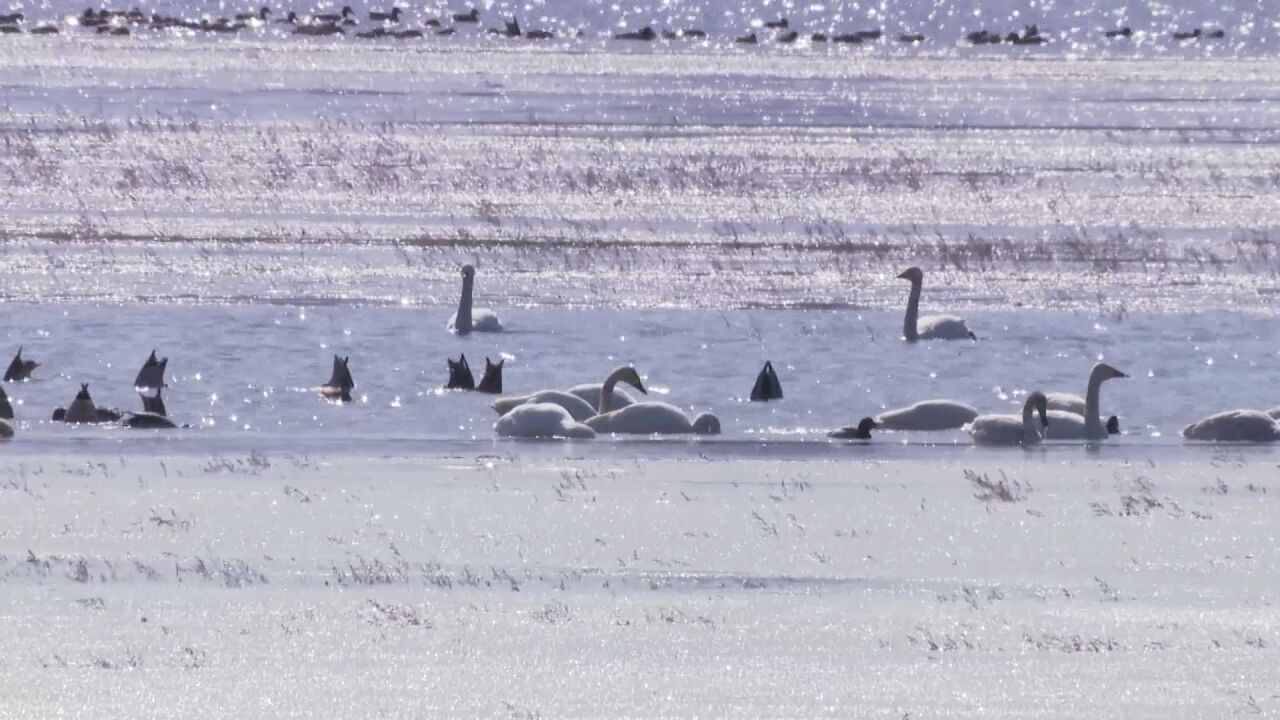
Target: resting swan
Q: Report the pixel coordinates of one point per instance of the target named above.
(1235, 426)
(468, 319)
(928, 415)
(649, 418)
(541, 420)
(582, 401)
(1089, 426)
(1011, 429)
(929, 327)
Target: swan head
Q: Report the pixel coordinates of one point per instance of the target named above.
(914, 274)
(468, 271)
(1103, 371)
(706, 424)
(1038, 403)
(865, 426)
(1113, 425)
(628, 375)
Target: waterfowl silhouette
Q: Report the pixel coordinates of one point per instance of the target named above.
(748, 40)
(346, 13)
(911, 38)
(20, 369)
(468, 319)
(468, 17)
(1012, 429)
(692, 34)
(789, 38)
(151, 377)
(491, 383)
(393, 16)
(83, 411)
(45, 30)
(767, 386)
(460, 377)
(6, 410)
(10, 30)
(153, 415)
(930, 327)
(983, 37)
(847, 39)
(319, 30)
(645, 33)
(12, 18)
(1216, 34)
(779, 24)
(1123, 32)
(1187, 34)
(818, 37)
(861, 432)
(1030, 36)
(340, 382)
(539, 35)
(261, 15)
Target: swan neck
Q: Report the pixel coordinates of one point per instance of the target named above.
(463, 321)
(606, 391)
(1092, 421)
(909, 323)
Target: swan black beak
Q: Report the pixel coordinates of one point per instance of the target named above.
(902, 275)
(640, 387)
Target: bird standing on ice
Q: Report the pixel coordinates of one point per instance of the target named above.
(469, 319)
(929, 327)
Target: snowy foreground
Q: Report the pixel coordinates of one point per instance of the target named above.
(256, 586)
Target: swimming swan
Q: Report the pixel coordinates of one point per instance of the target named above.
(82, 410)
(928, 415)
(1012, 429)
(929, 327)
(582, 401)
(460, 377)
(491, 382)
(153, 415)
(541, 420)
(468, 319)
(1089, 426)
(649, 418)
(862, 432)
(1234, 426)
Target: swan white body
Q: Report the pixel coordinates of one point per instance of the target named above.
(929, 327)
(582, 401)
(1087, 425)
(6, 430)
(653, 418)
(542, 421)
(578, 408)
(1066, 402)
(1012, 429)
(1065, 425)
(928, 415)
(1234, 426)
(468, 319)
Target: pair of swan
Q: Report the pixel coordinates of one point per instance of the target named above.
(471, 319)
(1065, 416)
(460, 377)
(571, 414)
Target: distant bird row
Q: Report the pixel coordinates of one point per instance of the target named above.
(584, 410)
(118, 22)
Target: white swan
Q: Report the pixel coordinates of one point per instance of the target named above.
(1234, 426)
(581, 401)
(1066, 402)
(541, 420)
(928, 415)
(653, 418)
(929, 327)
(1089, 426)
(468, 319)
(1012, 429)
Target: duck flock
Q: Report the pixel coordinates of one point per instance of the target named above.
(587, 410)
(396, 23)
